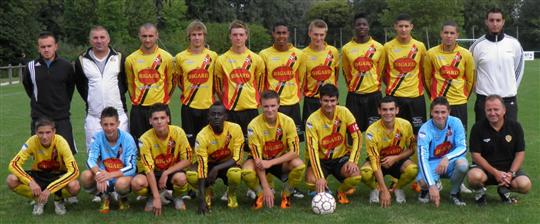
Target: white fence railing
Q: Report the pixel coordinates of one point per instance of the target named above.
(11, 74)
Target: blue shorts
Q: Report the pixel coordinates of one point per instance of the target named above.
(433, 166)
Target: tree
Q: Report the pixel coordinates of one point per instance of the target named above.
(210, 11)
(80, 16)
(335, 13)
(18, 36)
(426, 16)
(529, 25)
(51, 16)
(373, 10)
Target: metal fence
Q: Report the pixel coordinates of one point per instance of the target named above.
(11, 74)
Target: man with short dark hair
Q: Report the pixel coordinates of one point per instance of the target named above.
(54, 170)
(112, 161)
(333, 143)
(497, 145)
(218, 149)
(441, 154)
(49, 82)
(499, 65)
(165, 155)
(403, 72)
(363, 63)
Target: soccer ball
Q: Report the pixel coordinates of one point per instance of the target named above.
(323, 203)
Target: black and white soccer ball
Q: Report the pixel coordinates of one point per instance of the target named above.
(323, 203)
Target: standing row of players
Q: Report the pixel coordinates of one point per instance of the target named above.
(239, 75)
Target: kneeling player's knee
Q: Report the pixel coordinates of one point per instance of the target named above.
(366, 172)
(74, 187)
(179, 179)
(192, 177)
(234, 176)
(411, 170)
(475, 177)
(12, 181)
(122, 184)
(138, 182)
(523, 184)
(462, 166)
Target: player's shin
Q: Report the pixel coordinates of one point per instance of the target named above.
(408, 176)
(234, 177)
(367, 177)
(251, 180)
(142, 192)
(294, 178)
(457, 177)
(192, 179)
(349, 183)
(24, 190)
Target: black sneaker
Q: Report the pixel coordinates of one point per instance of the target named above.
(297, 193)
(480, 197)
(456, 199)
(423, 197)
(505, 195)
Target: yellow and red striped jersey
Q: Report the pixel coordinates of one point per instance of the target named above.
(318, 68)
(332, 138)
(56, 158)
(363, 64)
(150, 77)
(449, 74)
(381, 143)
(212, 148)
(282, 73)
(269, 142)
(196, 78)
(403, 74)
(157, 154)
(238, 79)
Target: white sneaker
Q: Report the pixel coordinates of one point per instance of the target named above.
(400, 196)
(138, 198)
(59, 208)
(374, 196)
(179, 204)
(225, 196)
(423, 196)
(149, 205)
(165, 195)
(251, 194)
(72, 200)
(439, 185)
(38, 208)
(96, 199)
(115, 196)
(465, 189)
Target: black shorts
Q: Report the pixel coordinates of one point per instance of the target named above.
(193, 121)
(509, 102)
(460, 111)
(222, 174)
(395, 170)
(333, 166)
(43, 179)
(243, 118)
(364, 108)
(139, 123)
(293, 111)
(311, 104)
(413, 110)
(63, 128)
(157, 174)
(277, 171)
(491, 180)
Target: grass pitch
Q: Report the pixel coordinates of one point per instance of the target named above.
(14, 130)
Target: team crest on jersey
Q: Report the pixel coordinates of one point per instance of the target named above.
(421, 135)
(486, 140)
(250, 131)
(369, 136)
(37, 64)
(265, 132)
(308, 125)
(197, 144)
(508, 138)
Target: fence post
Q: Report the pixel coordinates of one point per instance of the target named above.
(10, 73)
(20, 72)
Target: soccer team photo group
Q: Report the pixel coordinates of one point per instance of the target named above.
(265, 132)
